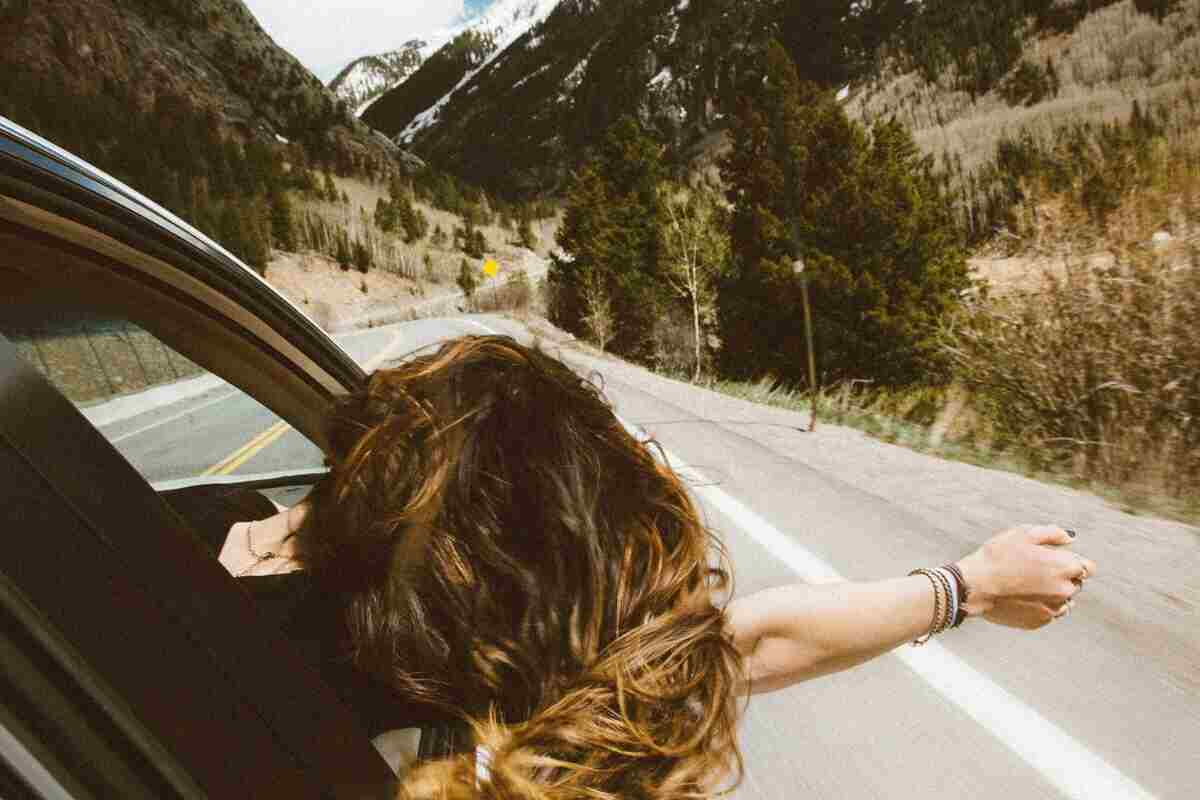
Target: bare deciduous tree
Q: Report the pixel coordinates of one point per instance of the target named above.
(598, 313)
(695, 251)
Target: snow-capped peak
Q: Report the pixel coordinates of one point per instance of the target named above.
(505, 21)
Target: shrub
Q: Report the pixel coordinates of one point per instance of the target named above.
(467, 281)
(1030, 84)
(1096, 374)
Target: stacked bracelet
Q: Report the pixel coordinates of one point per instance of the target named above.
(963, 593)
(938, 606)
(949, 599)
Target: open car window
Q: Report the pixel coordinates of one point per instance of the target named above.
(171, 418)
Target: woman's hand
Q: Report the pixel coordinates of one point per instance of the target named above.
(1023, 578)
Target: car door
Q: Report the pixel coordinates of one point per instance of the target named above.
(133, 665)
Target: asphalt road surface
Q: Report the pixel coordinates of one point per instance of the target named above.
(1102, 704)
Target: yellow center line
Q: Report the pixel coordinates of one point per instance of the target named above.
(263, 440)
(239, 456)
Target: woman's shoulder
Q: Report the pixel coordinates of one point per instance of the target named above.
(212, 509)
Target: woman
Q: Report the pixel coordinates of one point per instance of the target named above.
(491, 545)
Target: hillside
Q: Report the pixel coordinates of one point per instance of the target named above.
(516, 119)
(210, 56)
(1070, 131)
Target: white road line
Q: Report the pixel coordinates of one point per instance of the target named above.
(172, 418)
(1073, 769)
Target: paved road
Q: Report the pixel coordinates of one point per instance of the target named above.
(1104, 704)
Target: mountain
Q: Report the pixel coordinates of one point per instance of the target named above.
(211, 56)
(367, 78)
(467, 49)
(515, 118)
(512, 118)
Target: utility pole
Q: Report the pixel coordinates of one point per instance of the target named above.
(798, 269)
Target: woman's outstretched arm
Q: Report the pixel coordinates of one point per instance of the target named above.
(1021, 578)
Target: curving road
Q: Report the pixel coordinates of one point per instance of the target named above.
(1104, 704)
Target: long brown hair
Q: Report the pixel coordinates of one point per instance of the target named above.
(510, 554)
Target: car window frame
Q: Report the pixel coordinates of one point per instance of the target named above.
(35, 174)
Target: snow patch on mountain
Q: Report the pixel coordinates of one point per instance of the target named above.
(368, 78)
(531, 76)
(505, 21)
(575, 76)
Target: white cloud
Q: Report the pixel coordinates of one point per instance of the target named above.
(326, 35)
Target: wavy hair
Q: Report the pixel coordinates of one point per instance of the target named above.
(510, 554)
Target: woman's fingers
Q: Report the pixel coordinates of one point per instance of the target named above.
(1048, 535)
(1027, 614)
(1064, 609)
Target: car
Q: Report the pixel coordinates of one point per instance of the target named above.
(134, 352)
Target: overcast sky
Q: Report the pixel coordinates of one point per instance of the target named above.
(327, 34)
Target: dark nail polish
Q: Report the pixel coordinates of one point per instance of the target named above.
(1070, 533)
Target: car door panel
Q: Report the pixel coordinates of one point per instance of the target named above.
(103, 555)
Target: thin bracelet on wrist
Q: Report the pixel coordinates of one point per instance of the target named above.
(949, 583)
(937, 605)
(949, 591)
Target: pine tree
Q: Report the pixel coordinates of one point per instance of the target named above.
(610, 235)
(362, 256)
(229, 229)
(283, 228)
(255, 222)
(525, 234)
(467, 281)
(862, 209)
(342, 251)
